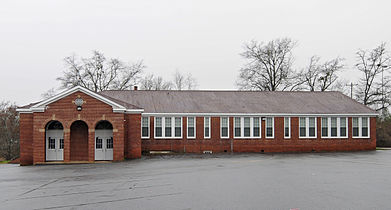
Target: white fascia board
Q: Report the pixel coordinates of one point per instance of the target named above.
(38, 107)
(128, 110)
(257, 114)
(24, 110)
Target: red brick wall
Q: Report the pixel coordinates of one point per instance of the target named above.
(26, 139)
(65, 112)
(133, 141)
(276, 144)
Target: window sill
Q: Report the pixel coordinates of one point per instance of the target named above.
(336, 137)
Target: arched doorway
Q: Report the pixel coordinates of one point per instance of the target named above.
(54, 141)
(79, 141)
(104, 141)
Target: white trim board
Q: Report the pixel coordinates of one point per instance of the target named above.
(259, 114)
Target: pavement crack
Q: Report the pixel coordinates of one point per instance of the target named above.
(46, 184)
(111, 201)
(55, 195)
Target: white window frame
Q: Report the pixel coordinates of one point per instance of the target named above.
(221, 128)
(187, 127)
(338, 128)
(269, 137)
(289, 126)
(307, 128)
(164, 127)
(149, 129)
(210, 122)
(260, 127)
(360, 136)
(181, 126)
(241, 136)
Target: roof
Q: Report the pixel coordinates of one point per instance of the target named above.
(241, 102)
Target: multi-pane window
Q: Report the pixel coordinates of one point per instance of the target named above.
(98, 143)
(178, 127)
(158, 127)
(287, 127)
(167, 127)
(325, 126)
(109, 143)
(191, 127)
(355, 127)
(206, 127)
(360, 127)
(334, 127)
(312, 127)
(269, 127)
(164, 127)
(237, 127)
(342, 126)
(145, 127)
(61, 144)
(52, 143)
(224, 127)
(247, 127)
(256, 127)
(302, 127)
(307, 127)
(364, 126)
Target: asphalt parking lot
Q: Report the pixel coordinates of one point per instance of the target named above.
(353, 180)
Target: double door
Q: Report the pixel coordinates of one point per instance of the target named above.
(54, 145)
(103, 144)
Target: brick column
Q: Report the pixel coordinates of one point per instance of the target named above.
(39, 145)
(118, 141)
(67, 145)
(91, 145)
(372, 132)
(134, 135)
(26, 139)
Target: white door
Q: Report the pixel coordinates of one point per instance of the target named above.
(103, 145)
(54, 145)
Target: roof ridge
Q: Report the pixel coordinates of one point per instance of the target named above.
(250, 91)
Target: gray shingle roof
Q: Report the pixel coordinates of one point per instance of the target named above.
(297, 102)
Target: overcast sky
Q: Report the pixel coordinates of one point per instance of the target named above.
(203, 37)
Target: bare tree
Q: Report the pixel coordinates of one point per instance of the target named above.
(321, 77)
(150, 82)
(49, 93)
(182, 82)
(99, 73)
(269, 66)
(9, 131)
(373, 86)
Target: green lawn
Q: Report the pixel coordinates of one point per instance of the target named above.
(4, 161)
(383, 148)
